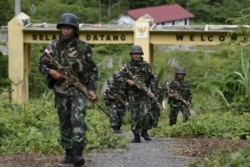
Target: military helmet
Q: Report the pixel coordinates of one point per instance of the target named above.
(155, 78)
(116, 74)
(137, 49)
(68, 19)
(110, 81)
(180, 70)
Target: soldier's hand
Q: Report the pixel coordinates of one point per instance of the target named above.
(92, 96)
(126, 104)
(130, 82)
(170, 95)
(55, 74)
(112, 97)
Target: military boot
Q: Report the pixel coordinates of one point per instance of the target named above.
(145, 135)
(117, 129)
(78, 160)
(137, 138)
(68, 159)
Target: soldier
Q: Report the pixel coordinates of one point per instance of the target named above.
(118, 101)
(76, 55)
(138, 71)
(106, 98)
(180, 96)
(160, 94)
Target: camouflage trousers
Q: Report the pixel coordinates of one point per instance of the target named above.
(174, 110)
(117, 112)
(139, 107)
(71, 112)
(154, 115)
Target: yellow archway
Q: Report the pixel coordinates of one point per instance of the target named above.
(22, 33)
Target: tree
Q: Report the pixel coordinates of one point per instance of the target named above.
(6, 12)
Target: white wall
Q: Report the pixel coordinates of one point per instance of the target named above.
(125, 19)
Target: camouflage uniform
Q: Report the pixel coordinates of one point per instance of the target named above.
(160, 93)
(139, 102)
(76, 55)
(116, 108)
(106, 98)
(182, 88)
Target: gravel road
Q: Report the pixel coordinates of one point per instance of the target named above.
(155, 153)
(160, 152)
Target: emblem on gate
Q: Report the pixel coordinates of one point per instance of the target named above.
(141, 30)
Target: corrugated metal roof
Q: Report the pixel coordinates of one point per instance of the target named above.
(114, 27)
(163, 13)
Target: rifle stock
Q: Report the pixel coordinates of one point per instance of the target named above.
(177, 96)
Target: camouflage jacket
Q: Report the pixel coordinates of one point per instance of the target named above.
(159, 92)
(141, 69)
(76, 56)
(118, 88)
(181, 87)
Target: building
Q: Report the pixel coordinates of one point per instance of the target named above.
(171, 14)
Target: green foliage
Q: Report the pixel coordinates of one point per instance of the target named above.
(37, 84)
(234, 90)
(203, 66)
(223, 158)
(33, 127)
(6, 12)
(93, 11)
(4, 81)
(210, 124)
(109, 59)
(99, 133)
(237, 158)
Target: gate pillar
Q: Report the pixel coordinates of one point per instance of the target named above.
(141, 36)
(18, 60)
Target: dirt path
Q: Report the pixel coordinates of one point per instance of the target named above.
(160, 152)
(157, 152)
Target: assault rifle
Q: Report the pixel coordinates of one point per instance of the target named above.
(71, 79)
(140, 84)
(118, 97)
(177, 96)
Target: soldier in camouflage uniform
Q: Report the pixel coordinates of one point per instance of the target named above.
(160, 93)
(118, 101)
(75, 55)
(139, 102)
(180, 96)
(106, 98)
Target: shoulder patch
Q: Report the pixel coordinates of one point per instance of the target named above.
(50, 49)
(47, 50)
